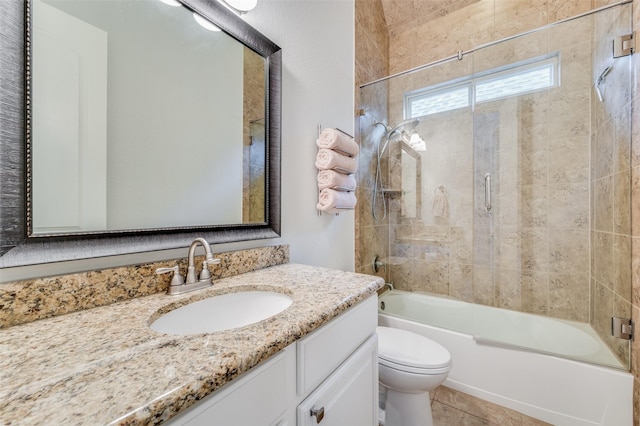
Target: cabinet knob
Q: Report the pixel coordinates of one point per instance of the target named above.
(318, 413)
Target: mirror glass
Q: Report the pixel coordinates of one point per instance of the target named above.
(143, 118)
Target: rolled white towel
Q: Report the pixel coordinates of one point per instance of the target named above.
(334, 180)
(331, 160)
(336, 140)
(332, 201)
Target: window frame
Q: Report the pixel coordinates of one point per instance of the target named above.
(472, 81)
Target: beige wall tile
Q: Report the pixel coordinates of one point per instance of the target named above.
(622, 141)
(434, 276)
(622, 203)
(569, 251)
(603, 254)
(567, 117)
(461, 245)
(562, 9)
(603, 310)
(575, 69)
(508, 288)
(622, 266)
(461, 281)
(401, 276)
(569, 160)
(569, 206)
(534, 206)
(484, 285)
(508, 248)
(604, 149)
(569, 296)
(603, 207)
(518, 16)
(534, 292)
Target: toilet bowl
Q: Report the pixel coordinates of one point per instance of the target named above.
(409, 366)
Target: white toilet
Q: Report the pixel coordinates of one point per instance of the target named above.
(410, 365)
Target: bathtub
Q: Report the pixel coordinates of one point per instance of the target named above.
(487, 346)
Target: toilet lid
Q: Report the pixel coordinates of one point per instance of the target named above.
(410, 349)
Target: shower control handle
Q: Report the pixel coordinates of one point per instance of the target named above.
(487, 191)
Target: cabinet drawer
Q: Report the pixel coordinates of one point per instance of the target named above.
(259, 398)
(349, 396)
(322, 351)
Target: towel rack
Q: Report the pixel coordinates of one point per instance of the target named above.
(338, 169)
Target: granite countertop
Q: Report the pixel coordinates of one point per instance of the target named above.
(105, 366)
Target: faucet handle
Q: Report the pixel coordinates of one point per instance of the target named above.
(177, 278)
(205, 274)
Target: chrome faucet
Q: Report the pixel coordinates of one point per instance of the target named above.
(178, 286)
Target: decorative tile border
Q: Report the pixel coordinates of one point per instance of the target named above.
(31, 300)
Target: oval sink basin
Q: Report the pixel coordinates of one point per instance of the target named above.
(222, 312)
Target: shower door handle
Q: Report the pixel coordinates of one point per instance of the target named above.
(487, 191)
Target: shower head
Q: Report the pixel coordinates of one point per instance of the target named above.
(404, 126)
(601, 80)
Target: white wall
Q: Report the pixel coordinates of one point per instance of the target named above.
(317, 40)
(316, 37)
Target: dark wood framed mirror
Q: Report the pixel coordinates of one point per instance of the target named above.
(24, 241)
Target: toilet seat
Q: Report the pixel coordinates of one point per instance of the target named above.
(414, 370)
(410, 352)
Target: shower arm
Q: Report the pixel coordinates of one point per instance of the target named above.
(601, 78)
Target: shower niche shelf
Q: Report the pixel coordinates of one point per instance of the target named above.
(392, 193)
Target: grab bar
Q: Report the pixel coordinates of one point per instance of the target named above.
(487, 191)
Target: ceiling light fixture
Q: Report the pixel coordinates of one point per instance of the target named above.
(204, 23)
(240, 6)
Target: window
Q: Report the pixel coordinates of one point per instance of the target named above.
(435, 101)
(490, 86)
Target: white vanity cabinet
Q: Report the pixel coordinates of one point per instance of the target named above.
(329, 377)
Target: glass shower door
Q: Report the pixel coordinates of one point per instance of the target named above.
(550, 173)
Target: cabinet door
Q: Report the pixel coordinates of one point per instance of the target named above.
(349, 396)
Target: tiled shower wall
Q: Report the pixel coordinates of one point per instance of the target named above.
(414, 41)
(531, 253)
(372, 63)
